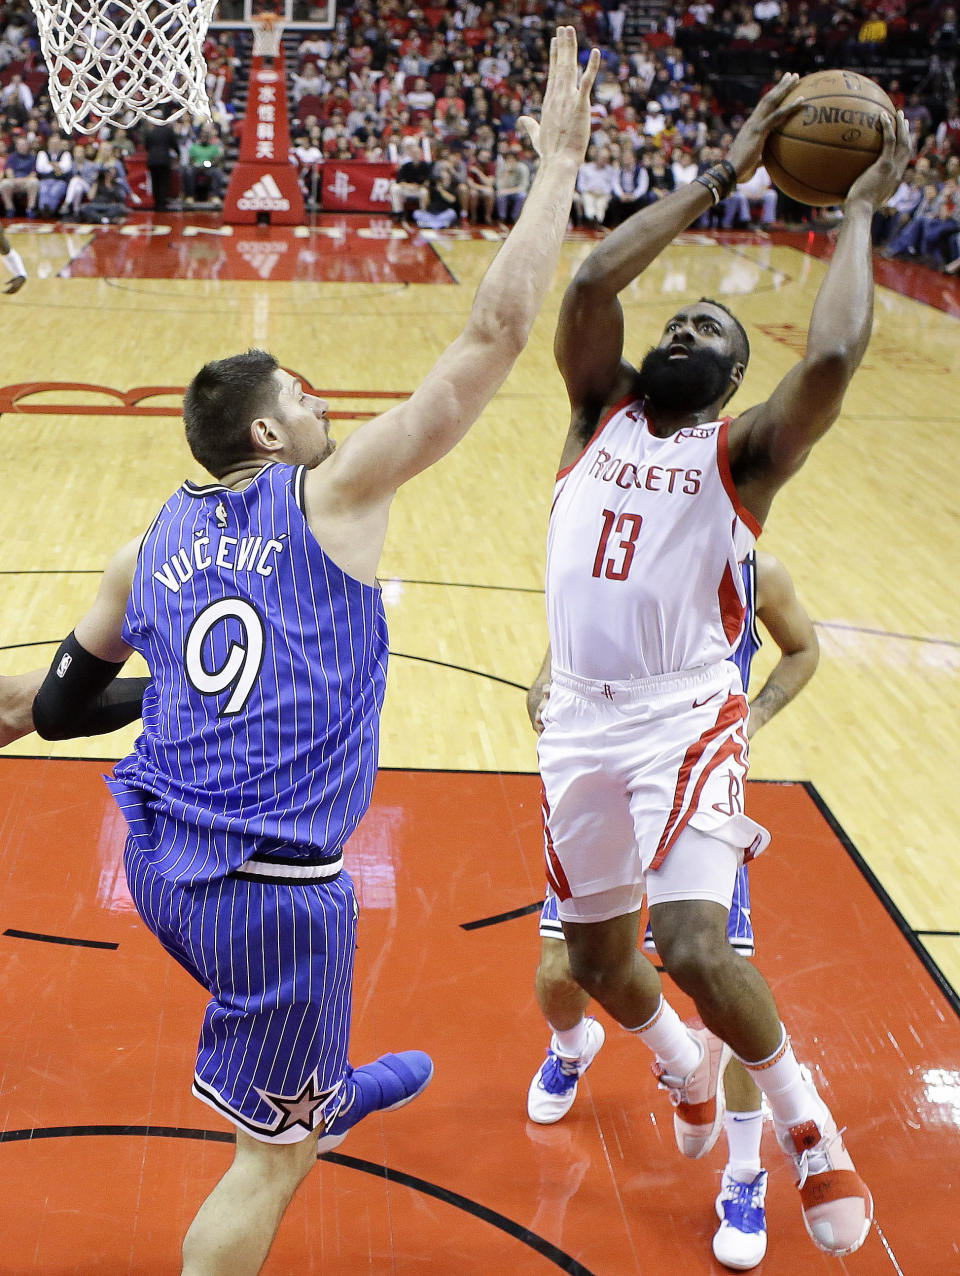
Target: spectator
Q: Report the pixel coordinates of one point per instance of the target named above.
(204, 167)
(16, 92)
(756, 190)
(439, 207)
(917, 113)
(309, 160)
(631, 182)
(420, 97)
(160, 144)
(316, 45)
(930, 228)
(480, 187)
(106, 202)
(655, 121)
(512, 182)
(84, 173)
(410, 183)
(308, 83)
(20, 177)
(898, 209)
(659, 177)
(873, 29)
(13, 45)
(595, 181)
(616, 18)
(747, 28)
(54, 166)
(122, 143)
(107, 158)
(904, 241)
(948, 130)
(684, 167)
(451, 99)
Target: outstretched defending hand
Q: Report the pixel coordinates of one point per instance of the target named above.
(565, 118)
(883, 176)
(747, 147)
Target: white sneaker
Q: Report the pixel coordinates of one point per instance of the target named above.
(697, 1098)
(837, 1205)
(554, 1087)
(741, 1239)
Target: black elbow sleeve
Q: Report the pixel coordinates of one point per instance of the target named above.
(79, 695)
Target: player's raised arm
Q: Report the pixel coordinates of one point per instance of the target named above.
(81, 693)
(589, 339)
(400, 443)
(770, 442)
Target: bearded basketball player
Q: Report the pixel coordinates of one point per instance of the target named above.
(643, 755)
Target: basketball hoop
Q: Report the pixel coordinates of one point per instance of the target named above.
(267, 30)
(123, 62)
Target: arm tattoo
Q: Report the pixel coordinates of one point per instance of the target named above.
(771, 699)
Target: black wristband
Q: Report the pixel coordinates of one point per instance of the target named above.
(719, 180)
(713, 186)
(730, 171)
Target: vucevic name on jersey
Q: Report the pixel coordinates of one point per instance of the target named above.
(268, 666)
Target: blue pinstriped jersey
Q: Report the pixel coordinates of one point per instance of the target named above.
(749, 643)
(268, 665)
(739, 924)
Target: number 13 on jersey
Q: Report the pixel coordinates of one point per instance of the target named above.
(617, 565)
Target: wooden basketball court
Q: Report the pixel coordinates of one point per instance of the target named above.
(104, 1154)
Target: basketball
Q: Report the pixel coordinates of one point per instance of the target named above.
(817, 153)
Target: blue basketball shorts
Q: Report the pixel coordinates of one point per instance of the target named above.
(277, 960)
(739, 924)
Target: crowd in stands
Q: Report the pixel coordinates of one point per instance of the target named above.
(437, 93)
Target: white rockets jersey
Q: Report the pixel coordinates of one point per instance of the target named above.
(643, 550)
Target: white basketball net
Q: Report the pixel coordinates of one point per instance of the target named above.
(124, 60)
(267, 31)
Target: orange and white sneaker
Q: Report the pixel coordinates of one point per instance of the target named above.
(697, 1097)
(837, 1205)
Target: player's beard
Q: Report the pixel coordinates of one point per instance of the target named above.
(685, 384)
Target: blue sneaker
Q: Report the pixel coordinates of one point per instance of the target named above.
(741, 1239)
(387, 1083)
(554, 1087)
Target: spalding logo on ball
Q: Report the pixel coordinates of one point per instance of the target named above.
(817, 153)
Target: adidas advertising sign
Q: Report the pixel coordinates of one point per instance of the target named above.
(264, 196)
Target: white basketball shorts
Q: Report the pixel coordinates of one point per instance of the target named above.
(628, 766)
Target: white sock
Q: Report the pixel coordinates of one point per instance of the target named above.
(791, 1099)
(743, 1131)
(12, 263)
(572, 1041)
(668, 1037)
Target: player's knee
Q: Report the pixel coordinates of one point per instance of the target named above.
(554, 967)
(280, 1167)
(596, 974)
(692, 959)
